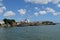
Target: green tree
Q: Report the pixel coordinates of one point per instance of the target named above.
(9, 21)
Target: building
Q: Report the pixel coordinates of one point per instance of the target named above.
(26, 20)
(1, 22)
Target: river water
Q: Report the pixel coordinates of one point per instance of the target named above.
(47, 32)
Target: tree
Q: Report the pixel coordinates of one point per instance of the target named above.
(5, 20)
(9, 21)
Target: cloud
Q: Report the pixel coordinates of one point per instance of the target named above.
(58, 5)
(2, 9)
(46, 10)
(50, 10)
(1, 4)
(55, 1)
(36, 13)
(43, 1)
(38, 1)
(22, 11)
(36, 8)
(42, 12)
(1, 0)
(56, 13)
(9, 13)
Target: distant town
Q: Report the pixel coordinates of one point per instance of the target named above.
(26, 22)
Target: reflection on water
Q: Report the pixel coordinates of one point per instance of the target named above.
(51, 32)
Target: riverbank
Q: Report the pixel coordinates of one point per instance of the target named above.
(13, 23)
(24, 25)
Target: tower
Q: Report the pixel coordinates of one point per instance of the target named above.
(27, 20)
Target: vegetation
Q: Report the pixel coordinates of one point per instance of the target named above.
(9, 21)
(13, 23)
(48, 23)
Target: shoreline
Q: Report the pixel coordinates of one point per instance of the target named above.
(24, 25)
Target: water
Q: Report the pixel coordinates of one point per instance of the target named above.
(47, 32)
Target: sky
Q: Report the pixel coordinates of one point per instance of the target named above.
(35, 10)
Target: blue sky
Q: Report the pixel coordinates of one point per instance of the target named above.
(35, 10)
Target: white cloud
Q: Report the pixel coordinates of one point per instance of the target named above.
(43, 1)
(42, 12)
(2, 9)
(38, 1)
(50, 10)
(1, 0)
(9, 13)
(55, 1)
(58, 5)
(56, 13)
(36, 8)
(36, 13)
(22, 11)
(47, 10)
(1, 4)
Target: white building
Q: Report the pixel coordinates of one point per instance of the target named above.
(27, 20)
(1, 22)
